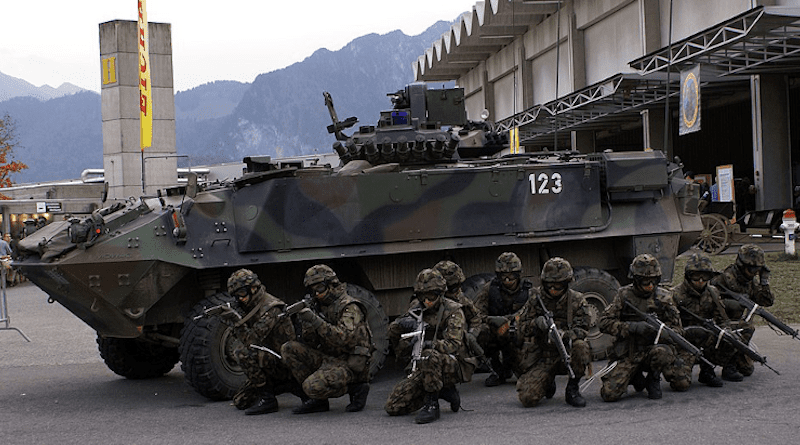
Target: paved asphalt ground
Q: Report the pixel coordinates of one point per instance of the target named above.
(56, 390)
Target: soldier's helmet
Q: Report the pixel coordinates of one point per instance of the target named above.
(645, 265)
(430, 280)
(698, 262)
(242, 279)
(319, 273)
(508, 262)
(750, 255)
(451, 272)
(557, 270)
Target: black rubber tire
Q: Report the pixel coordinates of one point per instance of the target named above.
(378, 325)
(473, 284)
(134, 358)
(206, 353)
(599, 288)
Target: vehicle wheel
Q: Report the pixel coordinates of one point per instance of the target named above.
(206, 353)
(599, 288)
(378, 325)
(714, 237)
(473, 284)
(135, 358)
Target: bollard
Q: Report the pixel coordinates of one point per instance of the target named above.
(788, 226)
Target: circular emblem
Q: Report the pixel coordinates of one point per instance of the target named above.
(690, 99)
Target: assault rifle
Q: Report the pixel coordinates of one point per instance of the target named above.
(755, 309)
(729, 337)
(223, 311)
(554, 336)
(294, 308)
(419, 337)
(676, 338)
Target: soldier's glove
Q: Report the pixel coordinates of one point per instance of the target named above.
(309, 317)
(764, 276)
(407, 323)
(500, 324)
(640, 328)
(732, 306)
(541, 323)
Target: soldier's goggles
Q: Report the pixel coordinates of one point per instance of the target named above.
(319, 288)
(557, 286)
(509, 276)
(754, 269)
(647, 281)
(699, 277)
(241, 292)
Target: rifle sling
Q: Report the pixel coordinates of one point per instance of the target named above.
(251, 313)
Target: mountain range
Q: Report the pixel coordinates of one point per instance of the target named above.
(281, 113)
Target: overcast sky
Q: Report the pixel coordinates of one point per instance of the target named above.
(56, 41)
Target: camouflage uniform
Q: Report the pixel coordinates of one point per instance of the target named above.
(454, 277)
(707, 304)
(444, 360)
(541, 360)
(261, 326)
(333, 357)
(495, 302)
(756, 287)
(633, 350)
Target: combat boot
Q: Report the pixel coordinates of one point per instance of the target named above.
(430, 411)
(731, 374)
(267, 403)
(450, 394)
(573, 395)
(638, 381)
(708, 377)
(312, 406)
(653, 385)
(494, 379)
(358, 397)
(497, 377)
(551, 389)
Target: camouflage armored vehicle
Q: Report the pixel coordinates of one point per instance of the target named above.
(424, 184)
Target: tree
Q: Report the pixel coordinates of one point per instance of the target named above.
(8, 140)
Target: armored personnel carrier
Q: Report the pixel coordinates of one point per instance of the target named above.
(422, 185)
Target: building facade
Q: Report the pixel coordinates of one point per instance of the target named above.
(592, 75)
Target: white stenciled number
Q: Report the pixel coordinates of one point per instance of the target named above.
(556, 183)
(543, 190)
(544, 183)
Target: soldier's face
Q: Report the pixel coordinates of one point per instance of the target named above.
(243, 295)
(509, 280)
(429, 299)
(319, 290)
(554, 289)
(647, 284)
(699, 281)
(750, 271)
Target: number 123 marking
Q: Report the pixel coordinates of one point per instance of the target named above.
(543, 184)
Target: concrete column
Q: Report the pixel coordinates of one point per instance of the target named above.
(650, 17)
(122, 156)
(488, 95)
(6, 219)
(771, 148)
(653, 126)
(583, 141)
(577, 48)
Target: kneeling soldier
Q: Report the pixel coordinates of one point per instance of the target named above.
(436, 328)
(542, 359)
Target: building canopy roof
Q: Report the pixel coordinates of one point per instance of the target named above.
(761, 40)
